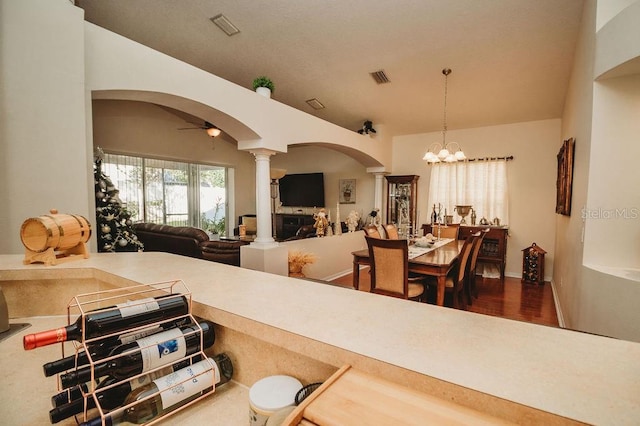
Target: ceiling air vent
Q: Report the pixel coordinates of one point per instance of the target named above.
(314, 103)
(225, 25)
(380, 77)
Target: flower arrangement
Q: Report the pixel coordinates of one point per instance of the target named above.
(263, 81)
(297, 261)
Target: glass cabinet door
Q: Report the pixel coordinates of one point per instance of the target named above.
(402, 193)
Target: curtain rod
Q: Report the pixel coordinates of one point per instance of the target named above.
(509, 158)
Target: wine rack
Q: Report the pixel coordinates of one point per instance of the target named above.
(533, 264)
(134, 297)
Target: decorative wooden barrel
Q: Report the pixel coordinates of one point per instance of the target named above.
(56, 231)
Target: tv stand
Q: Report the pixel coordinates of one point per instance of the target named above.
(288, 224)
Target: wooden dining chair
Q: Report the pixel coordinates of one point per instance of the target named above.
(471, 288)
(389, 262)
(372, 231)
(455, 281)
(446, 231)
(391, 231)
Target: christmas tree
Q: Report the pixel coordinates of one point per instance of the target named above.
(115, 231)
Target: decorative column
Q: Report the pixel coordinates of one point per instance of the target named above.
(378, 192)
(264, 235)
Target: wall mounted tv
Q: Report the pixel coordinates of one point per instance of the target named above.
(302, 190)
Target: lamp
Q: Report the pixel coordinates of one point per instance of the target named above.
(276, 175)
(213, 131)
(446, 152)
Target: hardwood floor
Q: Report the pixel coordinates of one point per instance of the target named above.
(510, 299)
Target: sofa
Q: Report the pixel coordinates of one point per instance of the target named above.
(187, 241)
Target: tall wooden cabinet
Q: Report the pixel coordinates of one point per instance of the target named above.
(402, 199)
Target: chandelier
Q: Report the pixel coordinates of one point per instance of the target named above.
(447, 152)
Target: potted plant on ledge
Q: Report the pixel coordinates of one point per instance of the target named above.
(264, 86)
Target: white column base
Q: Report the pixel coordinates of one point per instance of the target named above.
(267, 257)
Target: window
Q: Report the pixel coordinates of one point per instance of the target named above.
(481, 184)
(171, 192)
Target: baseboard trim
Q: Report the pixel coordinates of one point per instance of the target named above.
(339, 274)
(556, 302)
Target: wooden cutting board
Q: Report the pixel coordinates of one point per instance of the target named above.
(352, 397)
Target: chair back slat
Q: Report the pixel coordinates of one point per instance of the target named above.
(389, 261)
(392, 231)
(372, 231)
(465, 256)
(446, 231)
(476, 249)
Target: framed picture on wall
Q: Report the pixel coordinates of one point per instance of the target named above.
(347, 191)
(565, 177)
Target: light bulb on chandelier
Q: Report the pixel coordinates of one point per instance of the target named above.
(447, 152)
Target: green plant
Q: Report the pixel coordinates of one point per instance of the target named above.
(263, 81)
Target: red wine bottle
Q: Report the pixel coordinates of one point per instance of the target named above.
(68, 395)
(112, 320)
(102, 348)
(114, 397)
(170, 392)
(145, 354)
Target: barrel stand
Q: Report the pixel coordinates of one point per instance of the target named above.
(50, 257)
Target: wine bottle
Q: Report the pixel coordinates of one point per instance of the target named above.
(112, 320)
(114, 396)
(70, 394)
(101, 348)
(434, 216)
(145, 354)
(170, 392)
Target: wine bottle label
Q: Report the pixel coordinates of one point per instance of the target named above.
(133, 336)
(162, 348)
(148, 378)
(185, 383)
(135, 307)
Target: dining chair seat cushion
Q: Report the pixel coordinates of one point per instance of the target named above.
(415, 290)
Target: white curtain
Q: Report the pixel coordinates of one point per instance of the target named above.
(481, 184)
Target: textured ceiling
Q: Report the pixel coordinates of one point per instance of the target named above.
(511, 59)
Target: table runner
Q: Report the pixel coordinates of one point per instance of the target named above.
(415, 251)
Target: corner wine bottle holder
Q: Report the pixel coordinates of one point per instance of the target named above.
(81, 304)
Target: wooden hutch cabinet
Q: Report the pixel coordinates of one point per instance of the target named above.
(494, 245)
(402, 199)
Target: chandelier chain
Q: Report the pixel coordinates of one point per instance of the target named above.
(446, 73)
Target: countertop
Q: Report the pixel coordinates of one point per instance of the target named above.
(579, 376)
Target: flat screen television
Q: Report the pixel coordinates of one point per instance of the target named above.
(302, 190)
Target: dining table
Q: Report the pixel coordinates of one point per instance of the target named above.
(436, 262)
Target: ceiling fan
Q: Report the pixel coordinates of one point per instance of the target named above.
(211, 129)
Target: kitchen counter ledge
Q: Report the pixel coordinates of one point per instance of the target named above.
(514, 370)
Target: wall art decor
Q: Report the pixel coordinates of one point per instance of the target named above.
(347, 191)
(565, 177)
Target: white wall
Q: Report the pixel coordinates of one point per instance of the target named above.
(612, 235)
(45, 161)
(576, 123)
(597, 288)
(531, 176)
(332, 254)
